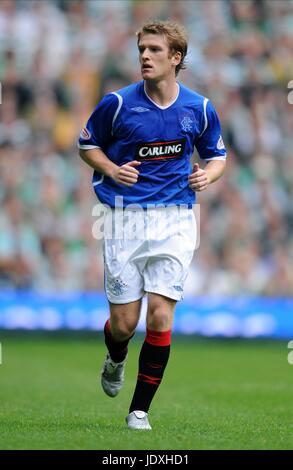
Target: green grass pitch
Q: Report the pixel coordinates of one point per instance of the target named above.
(216, 394)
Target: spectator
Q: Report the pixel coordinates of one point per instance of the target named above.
(58, 57)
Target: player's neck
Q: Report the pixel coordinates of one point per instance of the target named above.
(164, 92)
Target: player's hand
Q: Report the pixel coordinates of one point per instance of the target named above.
(127, 174)
(198, 179)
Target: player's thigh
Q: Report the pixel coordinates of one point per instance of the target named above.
(160, 312)
(170, 257)
(124, 318)
(165, 274)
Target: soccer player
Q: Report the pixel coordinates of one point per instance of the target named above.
(139, 140)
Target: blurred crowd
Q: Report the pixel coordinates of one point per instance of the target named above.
(59, 57)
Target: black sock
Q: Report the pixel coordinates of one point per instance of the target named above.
(153, 359)
(117, 349)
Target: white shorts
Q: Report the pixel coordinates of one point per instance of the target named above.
(147, 251)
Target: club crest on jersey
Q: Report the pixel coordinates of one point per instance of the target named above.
(160, 150)
(85, 134)
(186, 123)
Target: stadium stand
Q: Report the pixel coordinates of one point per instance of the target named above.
(57, 58)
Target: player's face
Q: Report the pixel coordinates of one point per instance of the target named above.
(157, 62)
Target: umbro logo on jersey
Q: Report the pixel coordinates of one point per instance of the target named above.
(160, 150)
(85, 134)
(139, 109)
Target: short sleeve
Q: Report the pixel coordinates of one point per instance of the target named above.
(99, 128)
(209, 144)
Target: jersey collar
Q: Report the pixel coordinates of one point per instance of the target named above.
(158, 105)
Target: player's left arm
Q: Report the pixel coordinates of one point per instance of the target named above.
(200, 178)
(212, 151)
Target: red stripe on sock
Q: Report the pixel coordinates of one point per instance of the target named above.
(158, 338)
(149, 379)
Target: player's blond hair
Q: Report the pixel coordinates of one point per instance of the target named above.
(175, 35)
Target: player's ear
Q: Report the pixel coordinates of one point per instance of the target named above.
(176, 58)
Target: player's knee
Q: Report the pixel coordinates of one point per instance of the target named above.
(122, 330)
(159, 320)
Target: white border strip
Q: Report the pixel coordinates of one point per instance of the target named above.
(120, 102)
(222, 157)
(205, 102)
(87, 147)
(100, 181)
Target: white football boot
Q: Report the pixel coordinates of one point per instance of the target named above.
(138, 420)
(112, 376)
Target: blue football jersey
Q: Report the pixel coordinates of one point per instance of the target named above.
(128, 125)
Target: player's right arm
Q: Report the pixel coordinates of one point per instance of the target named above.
(126, 174)
(96, 137)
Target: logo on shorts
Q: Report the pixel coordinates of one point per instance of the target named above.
(178, 288)
(117, 287)
(160, 150)
(85, 134)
